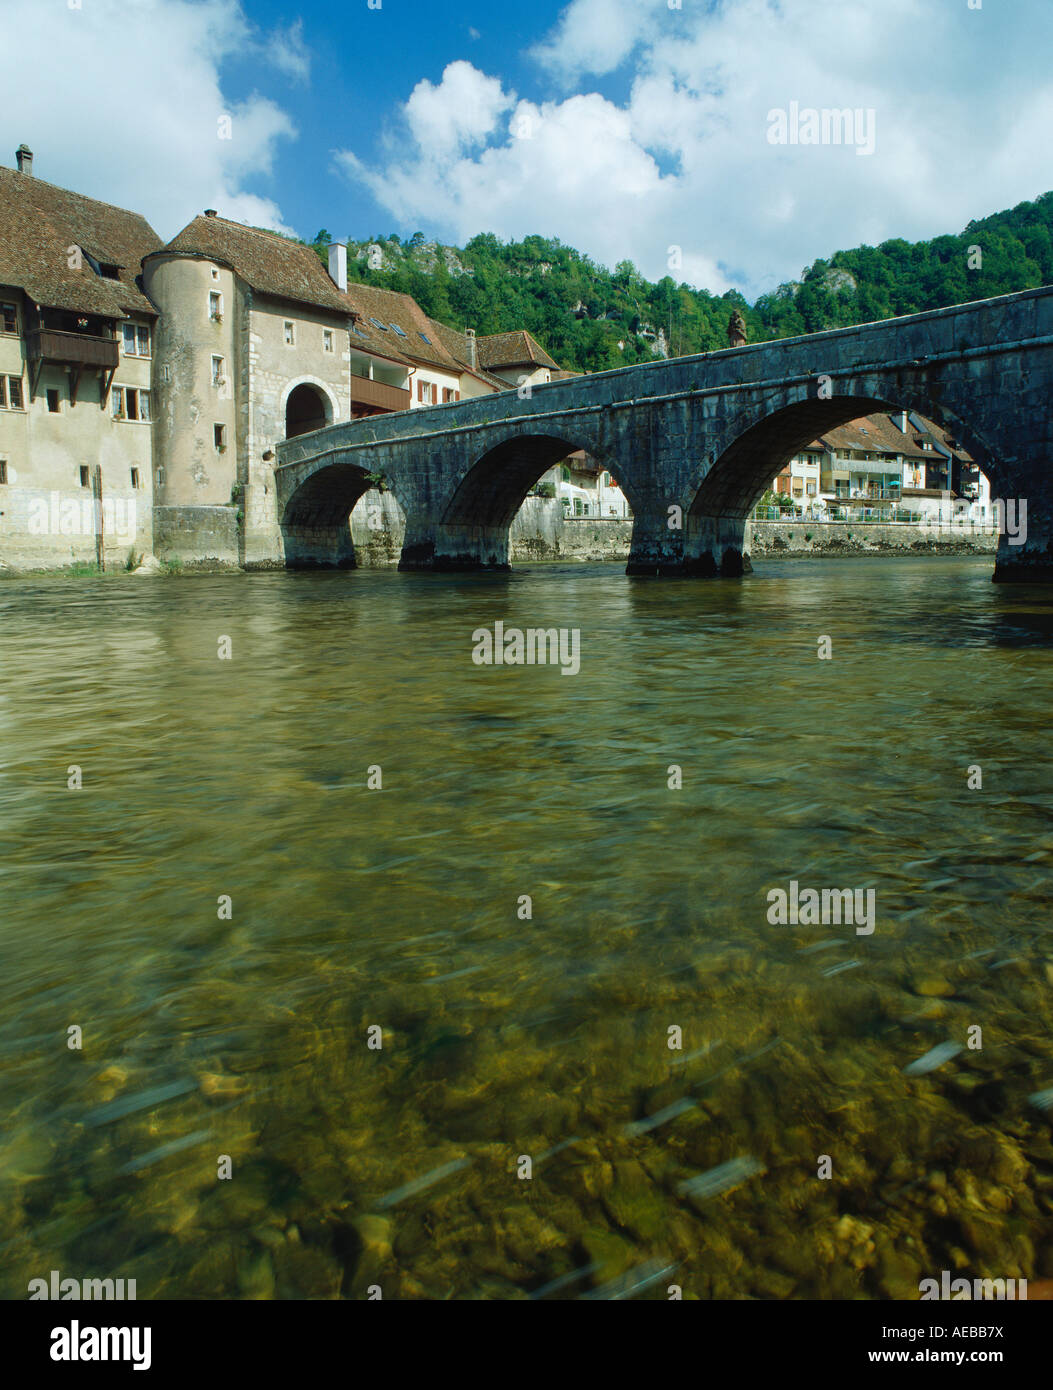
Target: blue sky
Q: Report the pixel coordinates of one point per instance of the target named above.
(364, 64)
(667, 132)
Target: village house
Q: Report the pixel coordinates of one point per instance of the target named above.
(884, 463)
(77, 339)
(144, 387)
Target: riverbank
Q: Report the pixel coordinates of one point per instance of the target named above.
(207, 541)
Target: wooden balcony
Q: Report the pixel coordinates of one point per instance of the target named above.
(378, 395)
(73, 349)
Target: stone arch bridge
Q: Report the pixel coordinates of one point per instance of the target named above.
(693, 441)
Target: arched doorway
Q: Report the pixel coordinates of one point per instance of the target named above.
(306, 409)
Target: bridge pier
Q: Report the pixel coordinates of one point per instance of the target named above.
(312, 547)
(1030, 563)
(718, 545)
(446, 549)
(656, 549)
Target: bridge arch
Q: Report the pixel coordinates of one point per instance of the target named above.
(475, 523)
(757, 444)
(315, 523)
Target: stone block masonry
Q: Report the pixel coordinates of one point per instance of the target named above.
(692, 441)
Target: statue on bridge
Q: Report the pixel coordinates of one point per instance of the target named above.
(736, 330)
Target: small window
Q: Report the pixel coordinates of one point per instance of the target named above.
(219, 437)
(8, 318)
(215, 306)
(377, 324)
(327, 339)
(166, 373)
(130, 403)
(135, 477)
(398, 330)
(565, 473)
(53, 401)
(14, 392)
(447, 394)
(290, 334)
(217, 371)
(3, 470)
(215, 273)
(424, 336)
(85, 480)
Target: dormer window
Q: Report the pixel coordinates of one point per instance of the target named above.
(108, 271)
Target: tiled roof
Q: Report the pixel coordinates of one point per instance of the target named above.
(880, 434)
(39, 222)
(269, 262)
(390, 307)
(512, 350)
(456, 344)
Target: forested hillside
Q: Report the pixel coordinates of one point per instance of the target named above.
(591, 318)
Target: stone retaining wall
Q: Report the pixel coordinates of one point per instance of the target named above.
(189, 536)
(772, 538)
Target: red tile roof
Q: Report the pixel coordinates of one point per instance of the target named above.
(514, 349)
(40, 222)
(271, 263)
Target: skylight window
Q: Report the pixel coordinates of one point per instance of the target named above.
(424, 336)
(377, 324)
(398, 330)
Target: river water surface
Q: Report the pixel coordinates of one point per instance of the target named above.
(547, 1087)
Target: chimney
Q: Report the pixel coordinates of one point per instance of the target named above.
(338, 264)
(210, 212)
(24, 156)
(469, 339)
(903, 421)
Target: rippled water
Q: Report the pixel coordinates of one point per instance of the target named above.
(507, 1038)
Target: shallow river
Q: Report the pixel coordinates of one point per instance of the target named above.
(419, 1080)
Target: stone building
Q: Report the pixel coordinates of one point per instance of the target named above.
(144, 387)
(77, 342)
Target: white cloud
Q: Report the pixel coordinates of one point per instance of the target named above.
(684, 158)
(121, 99)
(457, 114)
(285, 50)
(597, 36)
